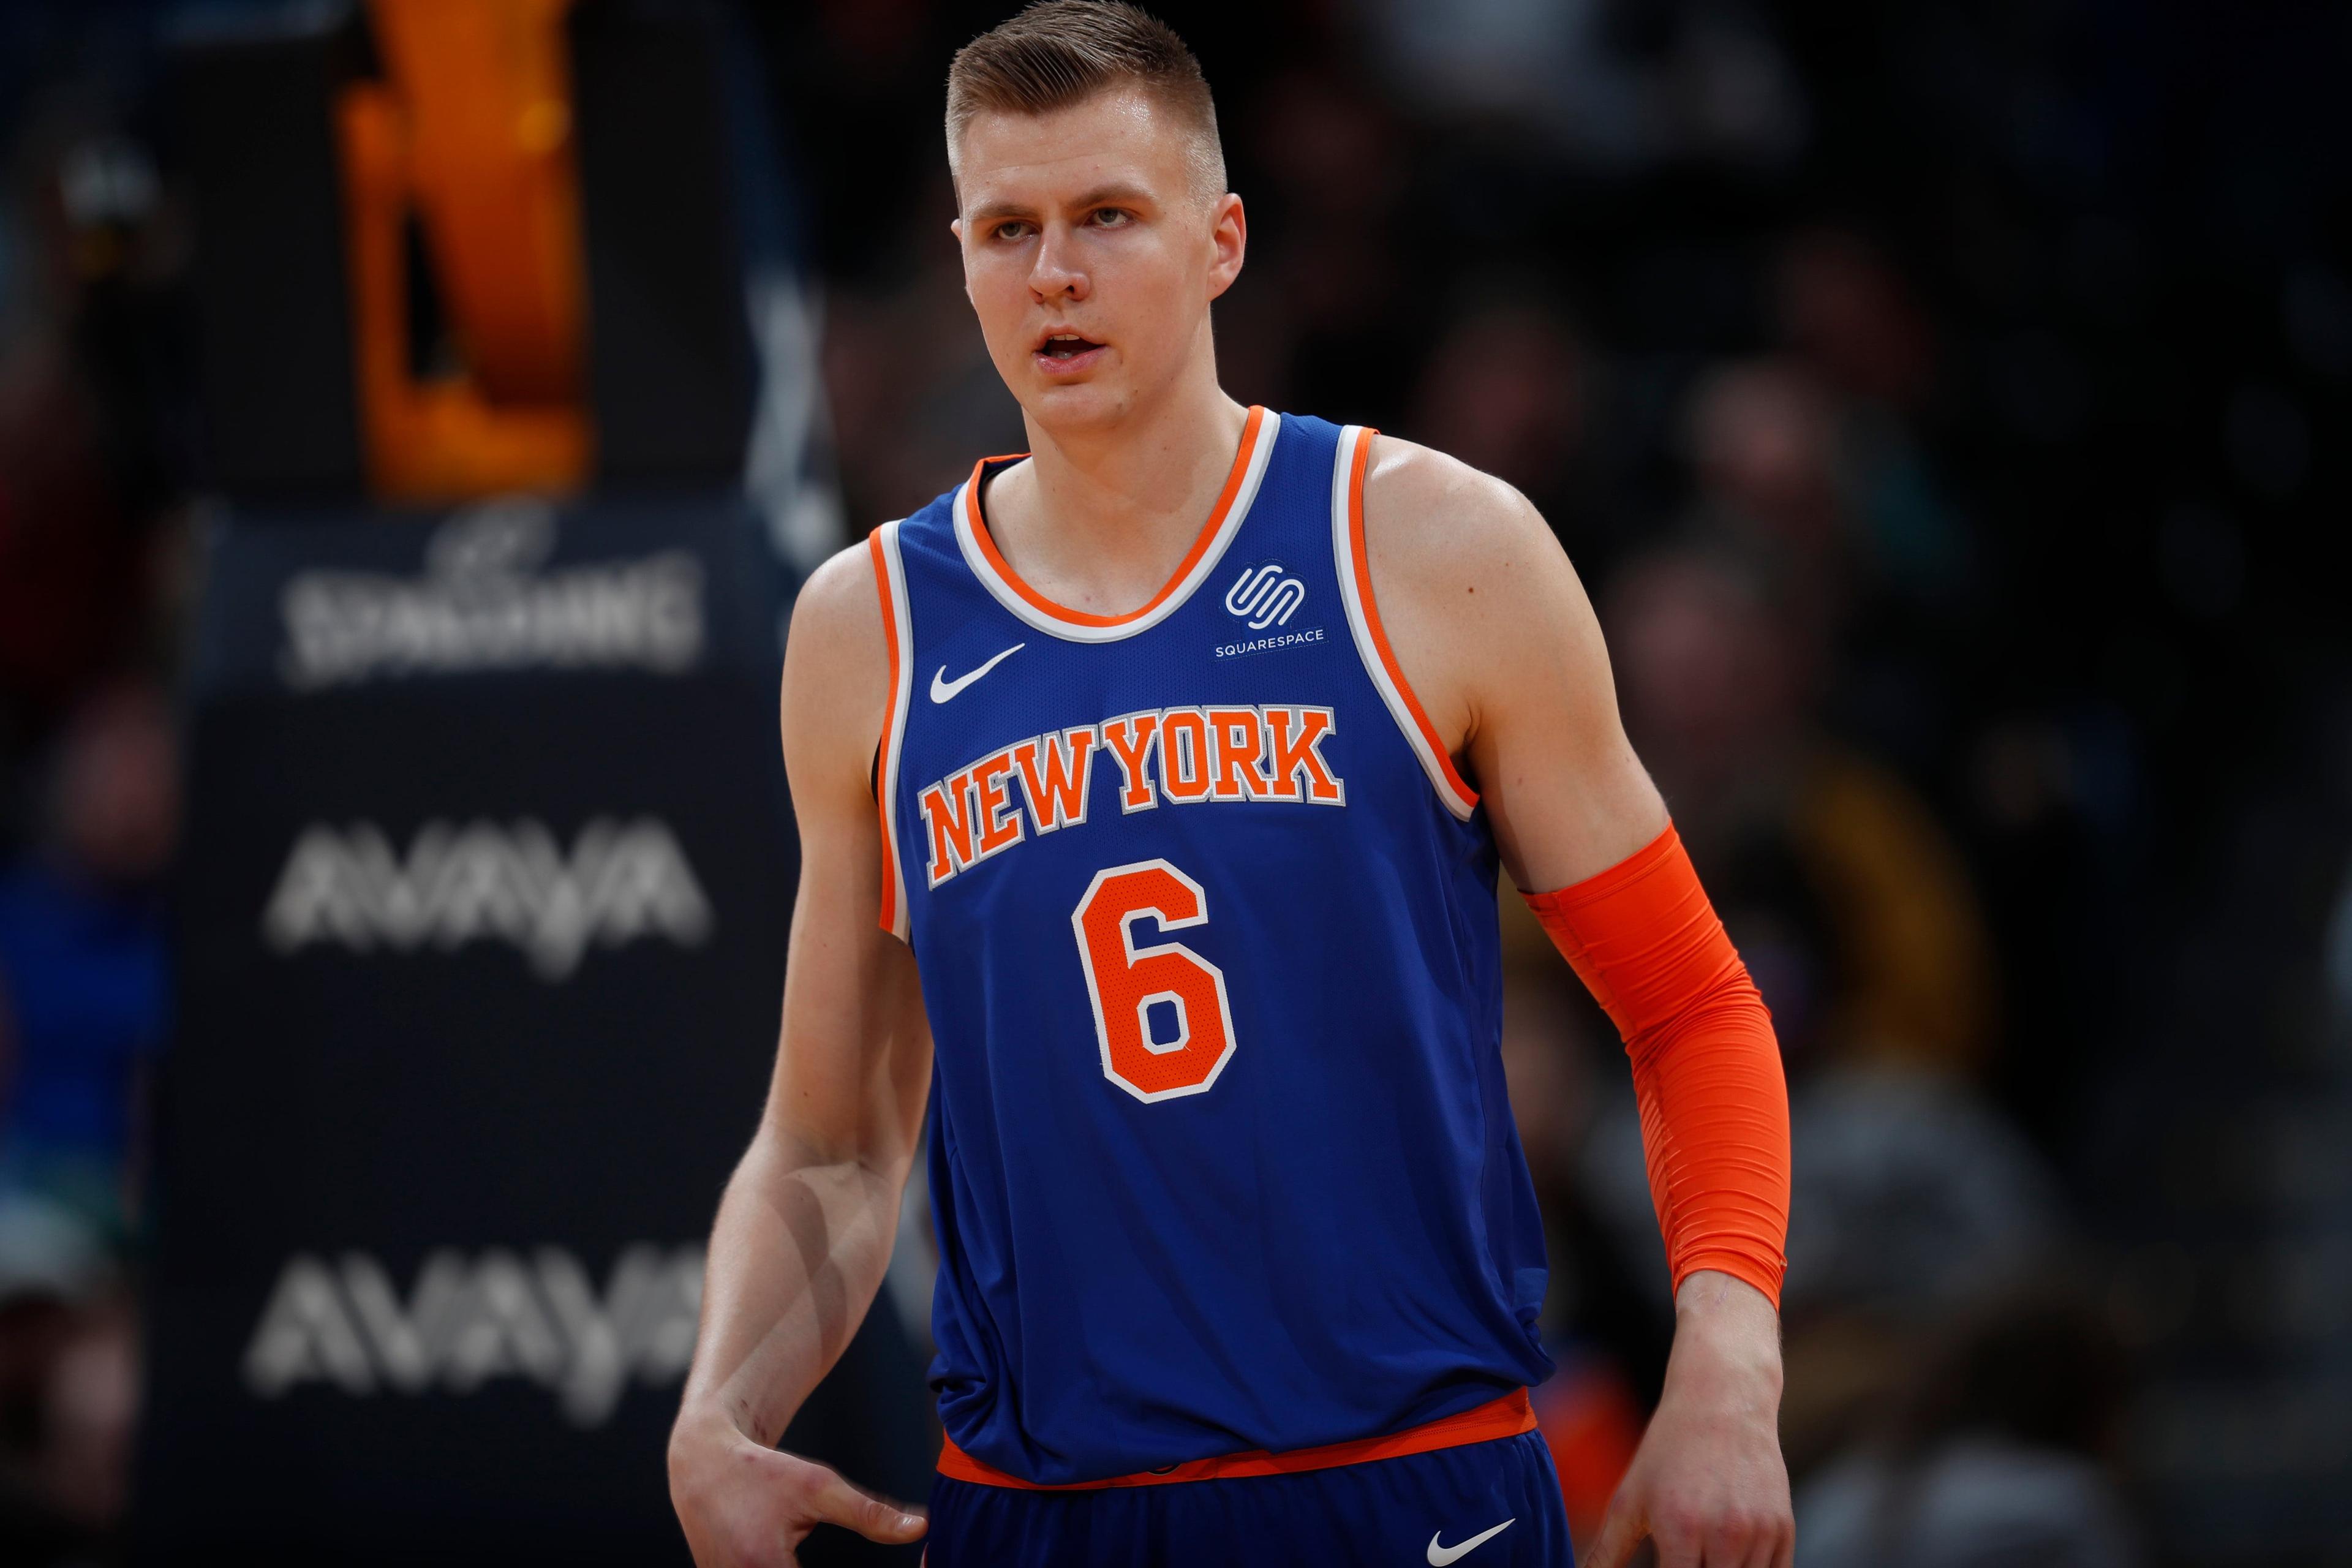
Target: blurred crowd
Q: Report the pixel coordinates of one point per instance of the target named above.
(93, 535)
(1939, 401)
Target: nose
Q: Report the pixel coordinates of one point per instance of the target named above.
(1058, 272)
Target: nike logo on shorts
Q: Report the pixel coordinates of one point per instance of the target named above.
(1439, 1556)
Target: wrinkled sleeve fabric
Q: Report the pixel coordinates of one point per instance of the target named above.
(1706, 1069)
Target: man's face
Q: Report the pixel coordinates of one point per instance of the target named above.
(1090, 254)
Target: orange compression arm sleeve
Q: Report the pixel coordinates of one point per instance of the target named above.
(1706, 1070)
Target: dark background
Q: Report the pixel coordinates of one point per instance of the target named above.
(1945, 405)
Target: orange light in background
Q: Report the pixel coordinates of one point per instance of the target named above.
(470, 131)
(1593, 1425)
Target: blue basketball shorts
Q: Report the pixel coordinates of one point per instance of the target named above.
(1494, 1504)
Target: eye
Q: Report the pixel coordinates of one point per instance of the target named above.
(1110, 218)
(1013, 228)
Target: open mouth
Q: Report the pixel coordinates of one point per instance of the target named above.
(1067, 346)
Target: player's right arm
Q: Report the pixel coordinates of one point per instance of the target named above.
(804, 1231)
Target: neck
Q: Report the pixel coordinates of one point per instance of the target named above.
(1103, 513)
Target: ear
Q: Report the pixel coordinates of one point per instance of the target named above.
(955, 226)
(1228, 239)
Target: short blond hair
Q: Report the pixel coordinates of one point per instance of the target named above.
(1059, 53)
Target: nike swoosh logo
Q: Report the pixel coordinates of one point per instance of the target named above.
(1439, 1556)
(943, 689)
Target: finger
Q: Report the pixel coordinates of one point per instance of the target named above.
(1754, 1547)
(1621, 1531)
(1681, 1547)
(838, 1502)
(1770, 1541)
(1760, 1543)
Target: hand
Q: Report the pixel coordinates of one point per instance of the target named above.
(746, 1505)
(1708, 1484)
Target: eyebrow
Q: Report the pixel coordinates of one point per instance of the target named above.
(1115, 194)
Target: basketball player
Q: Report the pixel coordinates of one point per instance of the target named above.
(1151, 790)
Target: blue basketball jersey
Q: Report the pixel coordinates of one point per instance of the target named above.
(1220, 1152)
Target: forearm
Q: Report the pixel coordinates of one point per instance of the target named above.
(1706, 1070)
(798, 1250)
(1728, 1337)
(1714, 1134)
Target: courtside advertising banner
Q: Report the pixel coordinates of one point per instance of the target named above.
(482, 935)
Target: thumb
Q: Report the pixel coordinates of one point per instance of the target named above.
(1621, 1532)
(836, 1501)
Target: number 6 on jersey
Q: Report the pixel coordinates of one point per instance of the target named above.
(1126, 982)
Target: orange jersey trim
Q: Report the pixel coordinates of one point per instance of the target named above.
(889, 918)
(1357, 470)
(1200, 542)
(1504, 1417)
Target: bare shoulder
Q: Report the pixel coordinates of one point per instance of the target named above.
(1419, 501)
(1436, 526)
(837, 666)
(1493, 629)
(841, 601)
(1453, 550)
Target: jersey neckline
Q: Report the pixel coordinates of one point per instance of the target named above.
(1225, 518)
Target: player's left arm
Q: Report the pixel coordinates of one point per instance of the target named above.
(1497, 637)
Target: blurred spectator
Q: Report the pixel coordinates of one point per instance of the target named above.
(1506, 390)
(82, 965)
(914, 398)
(84, 343)
(69, 560)
(68, 1390)
(1615, 86)
(1811, 467)
(1763, 438)
(1999, 1458)
(1849, 312)
(1911, 1196)
(1852, 906)
(1918, 1198)
(1326, 316)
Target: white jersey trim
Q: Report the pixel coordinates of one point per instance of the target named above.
(1043, 620)
(894, 870)
(1363, 621)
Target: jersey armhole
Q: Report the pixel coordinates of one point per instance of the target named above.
(897, 635)
(1379, 659)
